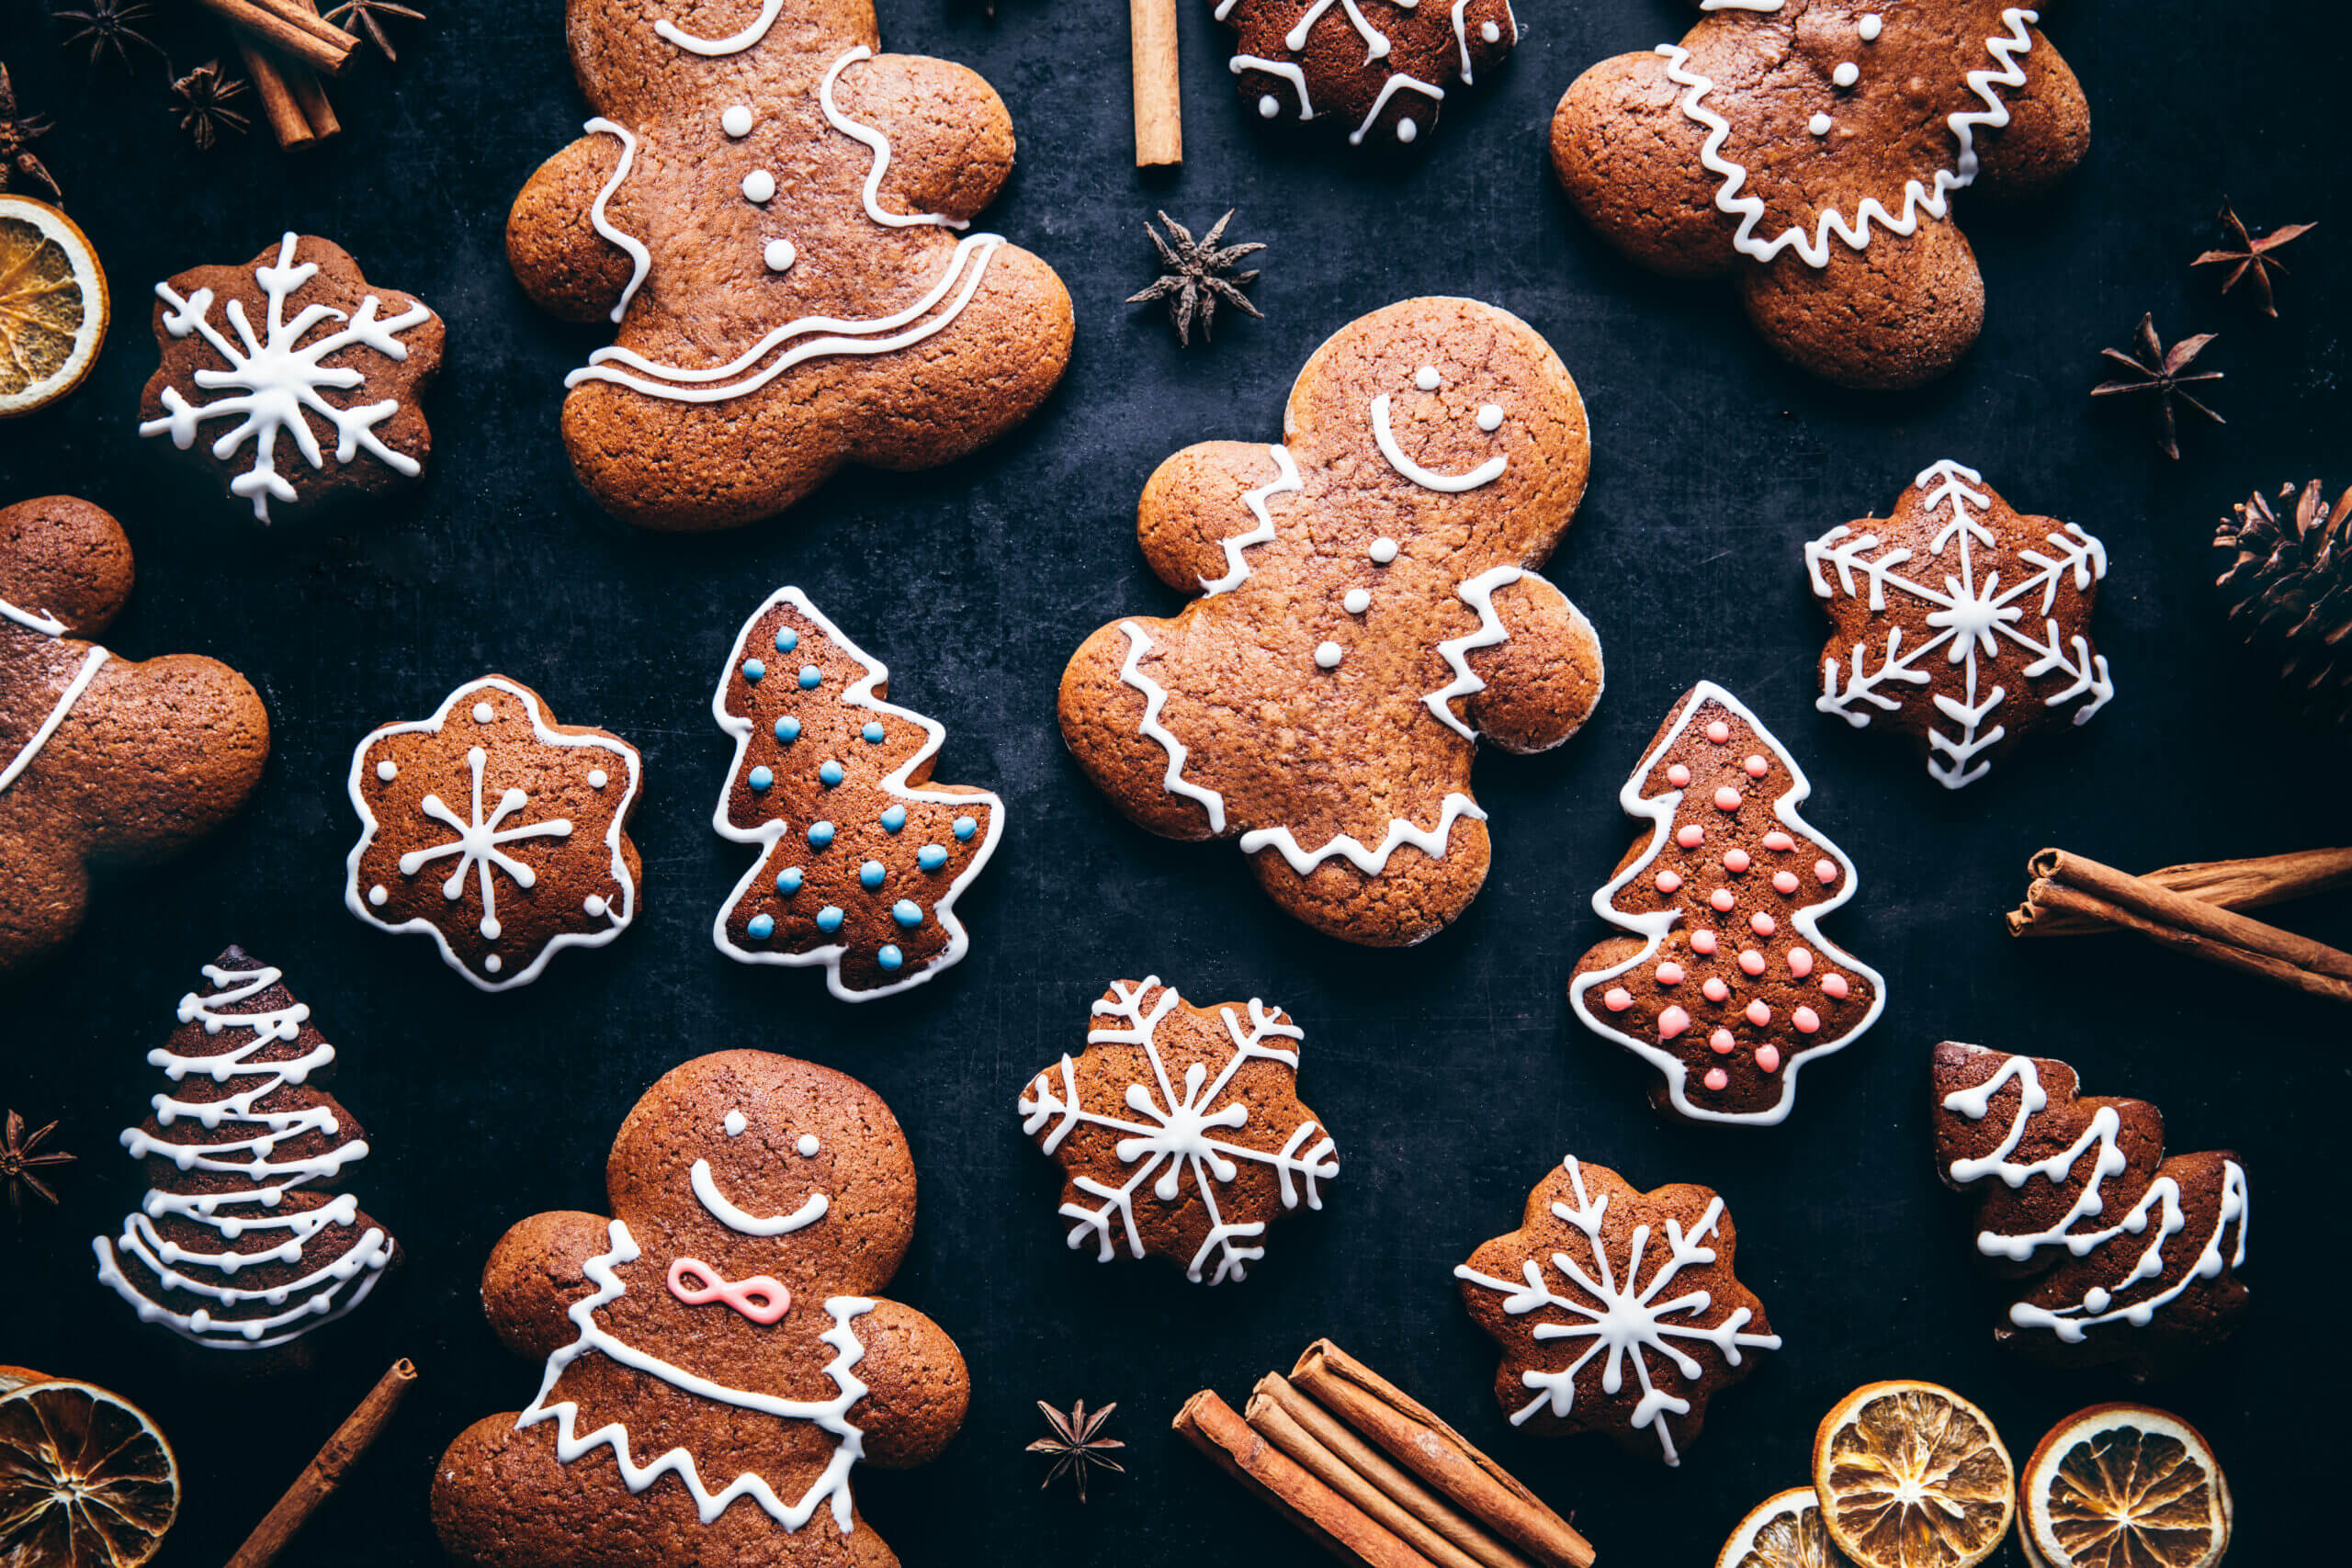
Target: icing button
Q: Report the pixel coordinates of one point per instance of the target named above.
(1820, 124)
(1357, 602)
(753, 670)
(821, 834)
(906, 912)
(1847, 73)
(482, 713)
(810, 677)
(779, 255)
(830, 774)
(894, 819)
(889, 957)
(760, 928)
(829, 918)
(1328, 655)
(788, 881)
(931, 857)
(787, 640)
(736, 120)
(1383, 550)
(871, 734)
(759, 186)
(871, 873)
(1617, 999)
(759, 779)
(1718, 1079)
(965, 828)
(787, 729)
(1268, 106)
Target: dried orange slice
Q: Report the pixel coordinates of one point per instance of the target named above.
(1911, 1475)
(85, 1479)
(1782, 1531)
(52, 305)
(2125, 1486)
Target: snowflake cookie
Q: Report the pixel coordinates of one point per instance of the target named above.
(1179, 1128)
(862, 857)
(1379, 67)
(1617, 1309)
(1965, 623)
(303, 358)
(1727, 985)
(1369, 609)
(1809, 148)
(502, 833)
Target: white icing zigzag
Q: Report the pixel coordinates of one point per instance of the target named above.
(1480, 594)
(1285, 479)
(1155, 697)
(1371, 862)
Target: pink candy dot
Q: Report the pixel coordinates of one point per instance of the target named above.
(1703, 941)
(1769, 1059)
(1736, 861)
(1691, 836)
(1827, 870)
(1751, 961)
(1679, 776)
(1763, 923)
(1722, 1042)
(1714, 990)
(1759, 1014)
(1806, 1020)
(1617, 999)
(1717, 1078)
(1671, 1022)
(1719, 732)
(1833, 985)
(1784, 883)
(1722, 899)
(1669, 973)
(1726, 799)
(1775, 839)
(1800, 961)
(1668, 881)
(1757, 767)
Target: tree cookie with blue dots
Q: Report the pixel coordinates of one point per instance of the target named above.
(862, 857)
(497, 831)
(1808, 149)
(1369, 610)
(779, 222)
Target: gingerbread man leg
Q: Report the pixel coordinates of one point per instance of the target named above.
(1413, 897)
(1895, 314)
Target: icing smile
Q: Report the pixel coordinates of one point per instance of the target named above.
(1490, 417)
(707, 1193)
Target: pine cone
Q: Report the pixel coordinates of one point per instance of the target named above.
(2289, 593)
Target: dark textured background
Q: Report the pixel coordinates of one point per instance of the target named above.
(1451, 1075)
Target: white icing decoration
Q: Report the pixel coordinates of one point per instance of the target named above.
(1847, 73)
(1462, 38)
(1654, 926)
(1916, 197)
(735, 1122)
(832, 1484)
(706, 1193)
(759, 186)
(1383, 550)
(640, 259)
(861, 692)
(1376, 42)
(1406, 130)
(48, 626)
(1478, 592)
(598, 778)
(1969, 618)
(1622, 1317)
(1869, 27)
(1173, 1133)
(1388, 89)
(1490, 417)
(808, 1145)
(1237, 568)
(1492, 34)
(1357, 602)
(1155, 697)
(619, 914)
(1371, 862)
(734, 44)
(1426, 378)
(881, 146)
(377, 896)
(317, 1297)
(388, 770)
(736, 120)
(65, 705)
(1288, 71)
(478, 840)
(1820, 124)
(779, 255)
(1268, 106)
(485, 713)
(1428, 479)
(1329, 654)
(279, 379)
(593, 905)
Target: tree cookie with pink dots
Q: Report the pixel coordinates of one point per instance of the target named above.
(1369, 610)
(497, 831)
(1725, 982)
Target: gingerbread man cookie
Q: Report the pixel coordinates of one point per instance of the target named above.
(1378, 67)
(718, 1357)
(1369, 610)
(101, 758)
(779, 220)
(1809, 148)
(295, 325)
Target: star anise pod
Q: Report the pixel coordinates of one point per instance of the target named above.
(1077, 1443)
(204, 94)
(356, 17)
(1198, 276)
(17, 133)
(2252, 258)
(110, 25)
(2162, 375)
(18, 1163)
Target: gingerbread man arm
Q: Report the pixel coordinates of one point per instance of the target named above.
(1544, 679)
(917, 1386)
(1201, 510)
(2049, 128)
(564, 261)
(950, 136)
(534, 1275)
(1628, 157)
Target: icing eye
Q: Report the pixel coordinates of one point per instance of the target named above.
(808, 1145)
(735, 1123)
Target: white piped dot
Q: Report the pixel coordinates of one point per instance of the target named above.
(1818, 124)
(482, 714)
(735, 1123)
(1490, 32)
(1426, 379)
(1357, 602)
(759, 186)
(388, 772)
(1490, 417)
(594, 905)
(1406, 131)
(808, 1145)
(493, 964)
(1328, 655)
(597, 779)
(736, 120)
(1847, 73)
(377, 895)
(779, 255)
(1869, 27)
(1383, 551)
(1268, 106)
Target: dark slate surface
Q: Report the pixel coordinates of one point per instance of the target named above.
(1451, 1074)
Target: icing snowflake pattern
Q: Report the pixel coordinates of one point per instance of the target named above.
(1181, 1133)
(1983, 638)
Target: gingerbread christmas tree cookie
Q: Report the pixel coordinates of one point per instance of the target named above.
(1725, 984)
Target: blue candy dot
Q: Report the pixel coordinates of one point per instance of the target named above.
(906, 912)
(787, 729)
(873, 733)
(829, 918)
(894, 819)
(788, 881)
(809, 677)
(871, 873)
(831, 774)
(787, 640)
(889, 957)
(753, 669)
(931, 857)
(759, 779)
(761, 927)
(820, 834)
(965, 828)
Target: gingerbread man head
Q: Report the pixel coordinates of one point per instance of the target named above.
(716, 1362)
(1809, 148)
(779, 220)
(1368, 612)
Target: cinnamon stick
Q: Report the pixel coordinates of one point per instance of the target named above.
(2225, 884)
(324, 1473)
(1159, 125)
(273, 85)
(1414, 1438)
(1210, 1424)
(1332, 1454)
(286, 27)
(312, 93)
(2114, 917)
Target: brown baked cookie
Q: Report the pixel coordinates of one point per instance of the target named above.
(101, 759)
(1727, 985)
(1181, 1130)
(1617, 1309)
(862, 856)
(1377, 69)
(1809, 148)
(718, 1358)
(500, 832)
(1370, 610)
(295, 368)
(2135, 1255)
(1965, 623)
(779, 220)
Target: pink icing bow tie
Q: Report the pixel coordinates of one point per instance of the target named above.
(759, 1298)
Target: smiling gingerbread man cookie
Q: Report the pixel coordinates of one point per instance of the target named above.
(1369, 610)
(717, 1357)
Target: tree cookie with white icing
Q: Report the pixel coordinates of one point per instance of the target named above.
(1369, 610)
(1378, 69)
(779, 220)
(1808, 149)
(102, 759)
(718, 1357)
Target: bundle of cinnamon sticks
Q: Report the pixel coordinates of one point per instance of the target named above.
(1364, 1468)
(2191, 908)
(287, 48)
